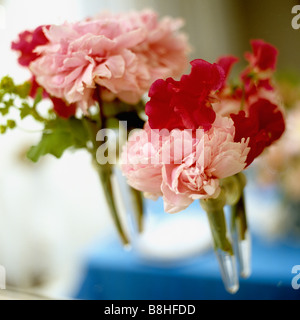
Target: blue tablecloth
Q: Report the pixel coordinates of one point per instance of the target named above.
(113, 273)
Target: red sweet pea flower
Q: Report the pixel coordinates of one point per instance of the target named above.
(264, 56)
(185, 103)
(264, 125)
(262, 63)
(27, 42)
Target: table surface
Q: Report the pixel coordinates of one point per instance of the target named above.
(113, 273)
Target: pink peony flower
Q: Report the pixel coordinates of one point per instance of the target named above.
(123, 54)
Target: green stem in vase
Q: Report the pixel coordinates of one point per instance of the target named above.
(222, 245)
(241, 237)
(240, 232)
(105, 174)
(215, 213)
(105, 171)
(138, 205)
(238, 218)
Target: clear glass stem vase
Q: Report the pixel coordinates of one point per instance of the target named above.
(134, 215)
(222, 245)
(105, 173)
(138, 208)
(241, 236)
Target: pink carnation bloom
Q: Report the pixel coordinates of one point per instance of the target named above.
(214, 156)
(140, 162)
(123, 54)
(188, 165)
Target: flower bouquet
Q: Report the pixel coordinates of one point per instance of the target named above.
(191, 140)
(202, 132)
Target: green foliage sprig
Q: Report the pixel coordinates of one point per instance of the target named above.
(59, 134)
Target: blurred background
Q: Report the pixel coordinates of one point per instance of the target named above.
(51, 211)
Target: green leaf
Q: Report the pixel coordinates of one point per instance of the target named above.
(25, 110)
(2, 94)
(54, 143)
(59, 135)
(38, 97)
(7, 84)
(11, 124)
(23, 90)
(4, 110)
(11, 94)
(112, 123)
(2, 129)
(79, 132)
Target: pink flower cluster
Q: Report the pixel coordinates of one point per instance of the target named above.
(202, 130)
(120, 55)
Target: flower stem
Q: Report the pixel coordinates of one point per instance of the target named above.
(215, 213)
(238, 218)
(241, 236)
(137, 200)
(105, 173)
(222, 245)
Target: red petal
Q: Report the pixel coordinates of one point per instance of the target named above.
(264, 55)
(227, 62)
(204, 78)
(185, 103)
(62, 109)
(26, 44)
(264, 125)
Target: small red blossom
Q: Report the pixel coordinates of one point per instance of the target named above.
(62, 109)
(264, 56)
(185, 103)
(26, 44)
(264, 125)
(262, 63)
